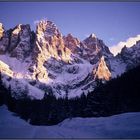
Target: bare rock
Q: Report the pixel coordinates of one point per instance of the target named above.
(20, 45)
(4, 39)
(102, 72)
(72, 43)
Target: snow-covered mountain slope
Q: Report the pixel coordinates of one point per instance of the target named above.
(15, 75)
(128, 43)
(47, 61)
(131, 56)
(125, 125)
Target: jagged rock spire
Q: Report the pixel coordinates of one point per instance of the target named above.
(49, 57)
(48, 28)
(50, 41)
(20, 43)
(102, 71)
(1, 30)
(71, 42)
(92, 36)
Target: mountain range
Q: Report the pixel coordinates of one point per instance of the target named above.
(45, 61)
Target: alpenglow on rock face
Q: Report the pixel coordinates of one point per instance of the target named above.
(102, 70)
(50, 41)
(45, 61)
(4, 39)
(1, 30)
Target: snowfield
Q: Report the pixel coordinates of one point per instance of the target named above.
(126, 125)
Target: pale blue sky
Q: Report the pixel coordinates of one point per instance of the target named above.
(111, 21)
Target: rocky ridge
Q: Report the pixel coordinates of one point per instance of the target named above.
(48, 62)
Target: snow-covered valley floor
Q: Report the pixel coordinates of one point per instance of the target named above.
(126, 125)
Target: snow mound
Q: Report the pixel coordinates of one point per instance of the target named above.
(125, 125)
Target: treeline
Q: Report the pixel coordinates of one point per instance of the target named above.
(48, 111)
(116, 96)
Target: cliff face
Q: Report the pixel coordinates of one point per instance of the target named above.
(46, 61)
(102, 71)
(4, 39)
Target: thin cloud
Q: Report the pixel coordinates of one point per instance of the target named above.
(128, 43)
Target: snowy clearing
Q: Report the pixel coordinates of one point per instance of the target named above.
(126, 125)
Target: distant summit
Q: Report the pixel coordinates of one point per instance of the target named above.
(45, 61)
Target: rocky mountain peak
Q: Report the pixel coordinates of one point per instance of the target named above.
(124, 49)
(91, 40)
(4, 39)
(48, 28)
(48, 61)
(138, 43)
(20, 44)
(16, 41)
(17, 29)
(94, 49)
(50, 42)
(1, 30)
(71, 42)
(92, 36)
(131, 56)
(102, 71)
